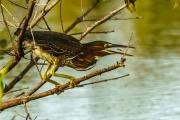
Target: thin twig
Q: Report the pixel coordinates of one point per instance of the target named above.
(61, 21)
(34, 89)
(100, 32)
(35, 61)
(80, 18)
(128, 45)
(17, 5)
(101, 21)
(5, 22)
(9, 92)
(28, 115)
(133, 18)
(20, 115)
(102, 81)
(44, 12)
(44, 19)
(10, 14)
(18, 77)
(5, 51)
(46, 23)
(10, 24)
(24, 26)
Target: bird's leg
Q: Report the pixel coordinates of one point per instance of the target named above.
(45, 76)
(71, 78)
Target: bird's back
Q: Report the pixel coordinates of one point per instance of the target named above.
(55, 43)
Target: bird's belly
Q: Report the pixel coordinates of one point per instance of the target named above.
(56, 60)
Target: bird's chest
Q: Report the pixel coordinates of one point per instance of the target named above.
(55, 60)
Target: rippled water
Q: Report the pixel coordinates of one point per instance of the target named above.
(151, 92)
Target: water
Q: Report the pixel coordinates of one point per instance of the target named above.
(152, 90)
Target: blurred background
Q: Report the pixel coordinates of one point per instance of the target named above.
(151, 92)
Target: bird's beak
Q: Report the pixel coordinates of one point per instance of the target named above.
(109, 45)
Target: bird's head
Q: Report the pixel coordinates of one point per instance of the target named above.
(101, 45)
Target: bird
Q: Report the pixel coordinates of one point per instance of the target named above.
(60, 49)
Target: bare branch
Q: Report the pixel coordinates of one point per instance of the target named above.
(101, 21)
(28, 115)
(18, 101)
(17, 4)
(43, 13)
(46, 23)
(5, 22)
(34, 89)
(10, 24)
(19, 77)
(13, 91)
(102, 81)
(10, 14)
(19, 53)
(131, 18)
(61, 21)
(80, 18)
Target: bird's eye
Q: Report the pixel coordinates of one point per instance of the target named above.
(107, 45)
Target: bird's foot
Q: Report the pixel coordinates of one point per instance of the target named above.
(58, 89)
(72, 83)
(44, 77)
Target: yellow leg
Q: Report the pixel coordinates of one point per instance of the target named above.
(45, 76)
(71, 78)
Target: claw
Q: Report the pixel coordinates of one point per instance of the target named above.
(44, 77)
(72, 83)
(58, 89)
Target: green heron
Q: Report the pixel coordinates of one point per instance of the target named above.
(59, 49)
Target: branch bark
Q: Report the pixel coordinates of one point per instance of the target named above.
(43, 13)
(19, 53)
(19, 77)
